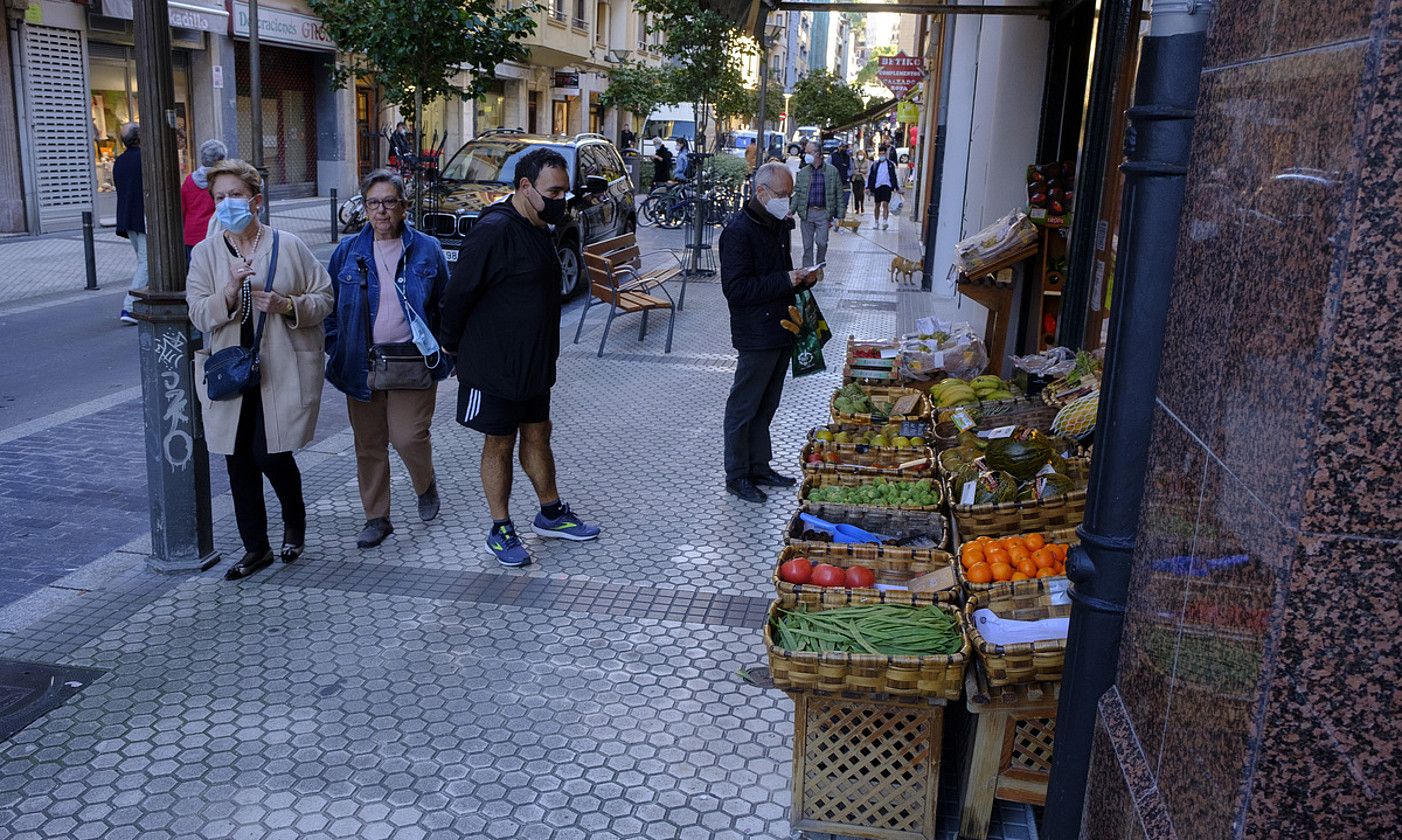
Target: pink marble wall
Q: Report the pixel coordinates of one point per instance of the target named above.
(1259, 692)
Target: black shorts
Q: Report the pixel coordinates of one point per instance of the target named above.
(496, 416)
(881, 194)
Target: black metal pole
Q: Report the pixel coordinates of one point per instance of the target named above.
(1155, 179)
(1112, 32)
(936, 174)
(89, 253)
(255, 119)
(177, 461)
(335, 226)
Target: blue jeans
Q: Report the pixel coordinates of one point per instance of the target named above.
(139, 279)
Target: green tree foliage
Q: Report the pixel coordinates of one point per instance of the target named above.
(638, 89)
(823, 99)
(705, 48)
(867, 75)
(420, 46)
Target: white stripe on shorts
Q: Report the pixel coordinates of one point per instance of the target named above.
(474, 405)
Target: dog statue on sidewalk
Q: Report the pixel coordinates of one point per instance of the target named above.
(906, 269)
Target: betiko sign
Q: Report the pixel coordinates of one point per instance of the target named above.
(899, 73)
(277, 26)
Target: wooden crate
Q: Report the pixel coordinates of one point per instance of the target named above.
(1010, 754)
(866, 768)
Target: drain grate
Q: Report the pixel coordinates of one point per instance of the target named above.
(30, 690)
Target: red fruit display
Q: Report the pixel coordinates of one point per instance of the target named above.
(828, 575)
(860, 577)
(797, 570)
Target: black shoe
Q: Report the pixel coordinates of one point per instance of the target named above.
(251, 562)
(374, 532)
(772, 479)
(293, 544)
(429, 504)
(745, 489)
(290, 553)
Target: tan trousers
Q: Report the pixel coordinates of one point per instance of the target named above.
(391, 417)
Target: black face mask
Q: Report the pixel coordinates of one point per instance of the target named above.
(555, 211)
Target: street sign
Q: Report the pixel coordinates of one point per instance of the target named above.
(899, 73)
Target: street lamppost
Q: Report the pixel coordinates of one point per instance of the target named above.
(177, 462)
(255, 92)
(767, 39)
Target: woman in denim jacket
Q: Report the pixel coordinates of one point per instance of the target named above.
(388, 281)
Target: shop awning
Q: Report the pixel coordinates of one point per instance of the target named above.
(878, 110)
(748, 13)
(185, 14)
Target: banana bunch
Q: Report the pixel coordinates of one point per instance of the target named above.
(794, 322)
(953, 392)
(990, 388)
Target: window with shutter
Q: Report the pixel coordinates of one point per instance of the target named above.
(57, 94)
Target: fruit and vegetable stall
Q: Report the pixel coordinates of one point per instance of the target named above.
(925, 565)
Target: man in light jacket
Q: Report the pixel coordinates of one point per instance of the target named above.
(817, 197)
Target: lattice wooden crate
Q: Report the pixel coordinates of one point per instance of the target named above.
(865, 768)
(1011, 754)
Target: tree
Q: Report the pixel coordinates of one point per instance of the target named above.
(705, 48)
(740, 104)
(867, 75)
(822, 99)
(638, 89)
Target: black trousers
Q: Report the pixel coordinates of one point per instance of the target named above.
(248, 465)
(759, 383)
(858, 194)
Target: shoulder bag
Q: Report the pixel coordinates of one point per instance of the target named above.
(398, 365)
(235, 371)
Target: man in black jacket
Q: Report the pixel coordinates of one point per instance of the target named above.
(759, 282)
(501, 321)
(131, 212)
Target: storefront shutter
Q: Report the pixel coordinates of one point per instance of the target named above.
(59, 119)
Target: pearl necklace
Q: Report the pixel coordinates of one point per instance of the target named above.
(246, 291)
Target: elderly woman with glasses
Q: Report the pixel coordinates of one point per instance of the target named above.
(381, 352)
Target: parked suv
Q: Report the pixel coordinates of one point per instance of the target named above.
(480, 173)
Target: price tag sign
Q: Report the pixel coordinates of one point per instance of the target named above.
(914, 428)
(962, 419)
(1048, 468)
(1000, 432)
(1056, 591)
(966, 496)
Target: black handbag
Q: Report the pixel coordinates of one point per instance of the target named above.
(235, 371)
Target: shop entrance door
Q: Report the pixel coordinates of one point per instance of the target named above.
(367, 130)
(560, 117)
(532, 107)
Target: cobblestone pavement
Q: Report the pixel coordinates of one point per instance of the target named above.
(417, 690)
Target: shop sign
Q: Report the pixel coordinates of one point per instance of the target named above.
(907, 112)
(566, 79)
(181, 15)
(900, 73)
(277, 26)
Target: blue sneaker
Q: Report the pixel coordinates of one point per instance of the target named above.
(566, 527)
(503, 543)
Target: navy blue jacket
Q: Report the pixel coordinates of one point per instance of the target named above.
(126, 178)
(355, 281)
(754, 276)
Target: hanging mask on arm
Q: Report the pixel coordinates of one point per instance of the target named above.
(419, 332)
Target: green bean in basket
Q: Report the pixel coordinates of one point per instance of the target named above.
(881, 629)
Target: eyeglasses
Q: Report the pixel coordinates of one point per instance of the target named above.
(382, 203)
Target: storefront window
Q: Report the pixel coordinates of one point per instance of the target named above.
(491, 107)
(113, 100)
(289, 117)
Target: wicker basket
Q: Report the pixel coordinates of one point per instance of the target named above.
(847, 479)
(1065, 535)
(894, 566)
(884, 393)
(1022, 517)
(856, 428)
(858, 459)
(878, 520)
(864, 768)
(1024, 662)
(1060, 393)
(940, 676)
(1018, 411)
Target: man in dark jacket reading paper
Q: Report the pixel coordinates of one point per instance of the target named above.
(759, 283)
(501, 321)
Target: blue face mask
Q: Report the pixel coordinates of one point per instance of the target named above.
(418, 330)
(234, 214)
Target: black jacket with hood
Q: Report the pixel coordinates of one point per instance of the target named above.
(754, 272)
(501, 308)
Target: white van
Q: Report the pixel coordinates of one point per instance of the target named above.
(665, 125)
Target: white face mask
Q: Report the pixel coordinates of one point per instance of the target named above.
(777, 207)
(808, 159)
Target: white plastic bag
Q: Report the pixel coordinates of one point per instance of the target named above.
(896, 203)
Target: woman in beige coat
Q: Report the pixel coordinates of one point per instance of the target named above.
(257, 431)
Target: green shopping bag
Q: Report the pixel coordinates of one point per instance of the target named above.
(811, 334)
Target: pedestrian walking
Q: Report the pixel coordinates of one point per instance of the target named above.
(752, 156)
(401, 149)
(683, 170)
(759, 282)
(131, 212)
(817, 194)
(882, 181)
(842, 162)
(661, 164)
(196, 206)
(381, 351)
(627, 138)
(860, 165)
(501, 321)
(253, 286)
